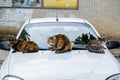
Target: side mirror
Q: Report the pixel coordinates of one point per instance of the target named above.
(111, 44)
(4, 45)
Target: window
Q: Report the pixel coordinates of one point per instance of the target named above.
(39, 32)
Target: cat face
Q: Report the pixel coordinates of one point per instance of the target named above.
(12, 41)
(52, 41)
(102, 39)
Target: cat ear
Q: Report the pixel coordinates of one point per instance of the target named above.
(11, 38)
(103, 38)
(54, 37)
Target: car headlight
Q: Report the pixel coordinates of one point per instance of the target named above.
(12, 77)
(114, 77)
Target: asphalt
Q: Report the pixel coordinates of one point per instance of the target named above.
(3, 54)
(116, 53)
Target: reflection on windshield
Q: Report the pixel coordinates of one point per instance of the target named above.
(40, 32)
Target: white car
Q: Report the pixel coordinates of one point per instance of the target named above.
(77, 64)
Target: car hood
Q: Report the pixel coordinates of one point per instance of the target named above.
(74, 65)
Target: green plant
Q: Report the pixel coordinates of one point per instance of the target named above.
(84, 38)
(91, 37)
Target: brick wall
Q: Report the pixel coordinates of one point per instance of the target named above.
(103, 14)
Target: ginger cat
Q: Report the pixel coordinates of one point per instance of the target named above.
(60, 43)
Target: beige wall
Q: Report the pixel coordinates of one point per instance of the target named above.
(103, 14)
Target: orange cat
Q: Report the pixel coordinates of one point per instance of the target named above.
(23, 45)
(60, 43)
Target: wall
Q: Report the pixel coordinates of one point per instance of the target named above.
(103, 14)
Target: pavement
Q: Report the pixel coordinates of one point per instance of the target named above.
(3, 54)
(116, 53)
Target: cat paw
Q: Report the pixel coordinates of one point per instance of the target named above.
(52, 49)
(58, 51)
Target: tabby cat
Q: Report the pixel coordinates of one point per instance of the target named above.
(23, 45)
(60, 43)
(95, 46)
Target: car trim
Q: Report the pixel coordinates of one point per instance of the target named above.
(112, 76)
(12, 76)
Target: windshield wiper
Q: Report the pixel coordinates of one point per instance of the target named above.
(49, 48)
(74, 48)
(43, 49)
(77, 48)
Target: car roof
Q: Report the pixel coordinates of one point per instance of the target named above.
(36, 20)
(57, 19)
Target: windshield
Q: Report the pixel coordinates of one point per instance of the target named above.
(39, 32)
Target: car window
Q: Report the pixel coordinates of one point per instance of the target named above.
(39, 32)
(24, 35)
